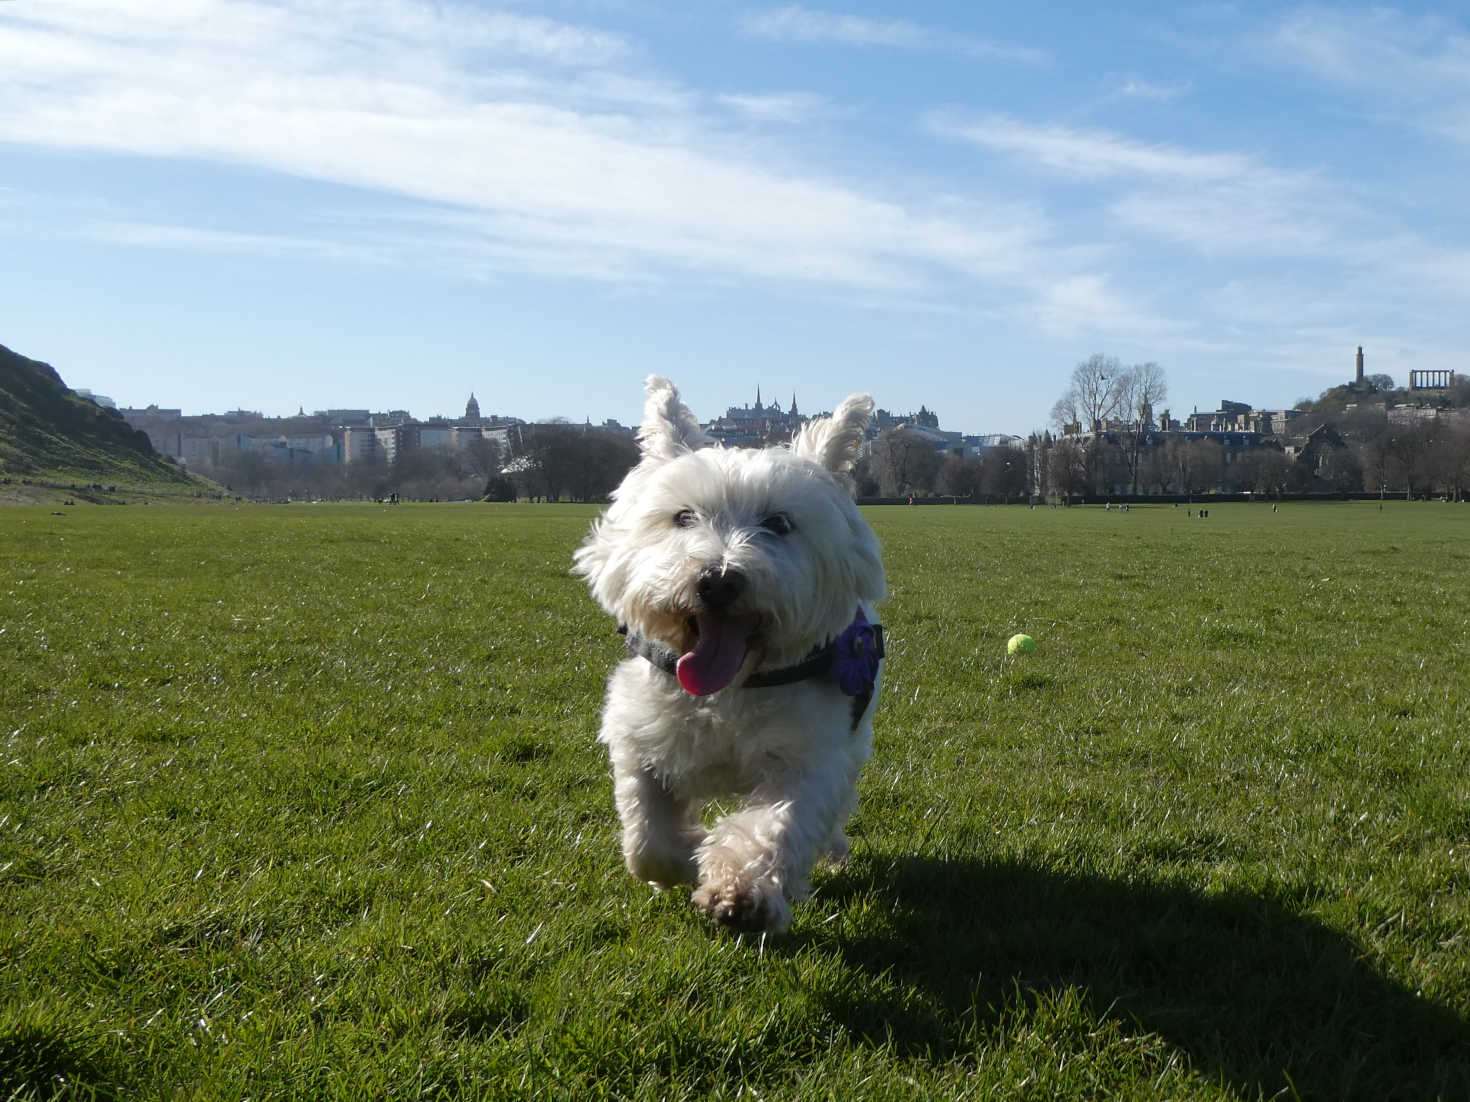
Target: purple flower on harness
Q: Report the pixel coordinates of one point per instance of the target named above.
(855, 656)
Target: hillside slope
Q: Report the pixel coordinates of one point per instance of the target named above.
(47, 430)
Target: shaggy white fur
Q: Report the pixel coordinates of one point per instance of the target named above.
(739, 562)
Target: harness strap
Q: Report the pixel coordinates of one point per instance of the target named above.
(822, 662)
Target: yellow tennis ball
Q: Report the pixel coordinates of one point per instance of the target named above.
(1020, 644)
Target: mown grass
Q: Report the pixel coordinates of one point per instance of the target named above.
(305, 802)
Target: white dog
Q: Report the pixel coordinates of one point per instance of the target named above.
(745, 580)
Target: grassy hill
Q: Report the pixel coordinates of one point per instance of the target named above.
(55, 442)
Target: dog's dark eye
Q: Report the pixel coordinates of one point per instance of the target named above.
(779, 523)
(684, 518)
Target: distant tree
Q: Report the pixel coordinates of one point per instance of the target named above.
(1410, 450)
(1066, 468)
(1194, 466)
(865, 484)
(578, 461)
(480, 457)
(1266, 470)
(1379, 383)
(1143, 388)
(1005, 474)
(1104, 396)
(251, 473)
(417, 473)
(437, 474)
(904, 462)
(1340, 471)
(1094, 395)
(498, 488)
(1153, 472)
(524, 474)
(1109, 471)
(1375, 459)
(1454, 470)
(603, 459)
(960, 476)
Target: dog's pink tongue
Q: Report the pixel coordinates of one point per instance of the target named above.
(716, 657)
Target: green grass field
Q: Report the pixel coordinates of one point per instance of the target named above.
(305, 802)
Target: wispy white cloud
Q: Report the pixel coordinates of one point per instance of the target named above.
(1090, 305)
(1217, 202)
(510, 143)
(794, 23)
(1415, 68)
(805, 25)
(1376, 47)
(201, 239)
(1137, 88)
(439, 104)
(1086, 153)
(781, 107)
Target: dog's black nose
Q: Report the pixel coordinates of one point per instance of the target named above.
(717, 589)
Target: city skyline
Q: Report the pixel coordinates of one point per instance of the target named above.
(269, 204)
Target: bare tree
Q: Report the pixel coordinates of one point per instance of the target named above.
(1340, 471)
(904, 462)
(1265, 470)
(1194, 466)
(1093, 395)
(1096, 394)
(1006, 475)
(582, 462)
(1375, 457)
(1457, 480)
(960, 476)
(1141, 390)
(1066, 468)
(1410, 448)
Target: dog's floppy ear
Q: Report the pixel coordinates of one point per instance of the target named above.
(834, 441)
(668, 429)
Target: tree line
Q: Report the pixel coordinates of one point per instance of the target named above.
(1106, 443)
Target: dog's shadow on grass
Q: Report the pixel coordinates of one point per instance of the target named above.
(1259, 997)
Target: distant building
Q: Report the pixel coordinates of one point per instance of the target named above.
(1235, 417)
(344, 416)
(940, 439)
(754, 426)
(1314, 454)
(356, 444)
(290, 449)
(924, 419)
(992, 442)
(101, 399)
(1431, 380)
(203, 451)
(436, 437)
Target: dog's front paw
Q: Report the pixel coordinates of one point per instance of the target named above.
(663, 867)
(746, 906)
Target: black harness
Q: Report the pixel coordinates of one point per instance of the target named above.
(833, 660)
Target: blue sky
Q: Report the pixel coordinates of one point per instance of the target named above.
(390, 203)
